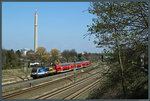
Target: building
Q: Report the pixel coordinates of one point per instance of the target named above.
(24, 51)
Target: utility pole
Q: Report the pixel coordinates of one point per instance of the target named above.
(142, 61)
(26, 68)
(74, 70)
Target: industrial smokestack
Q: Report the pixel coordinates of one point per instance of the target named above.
(35, 32)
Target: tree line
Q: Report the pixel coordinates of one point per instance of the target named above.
(15, 59)
(10, 58)
(122, 29)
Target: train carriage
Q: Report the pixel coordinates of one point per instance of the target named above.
(71, 66)
(58, 68)
(65, 67)
(83, 64)
(88, 63)
(78, 64)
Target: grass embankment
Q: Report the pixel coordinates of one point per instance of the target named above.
(12, 75)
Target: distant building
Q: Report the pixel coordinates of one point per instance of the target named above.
(83, 53)
(31, 52)
(24, 51)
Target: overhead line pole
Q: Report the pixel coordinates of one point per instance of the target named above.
(74, 70)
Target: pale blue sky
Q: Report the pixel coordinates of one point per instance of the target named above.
(61, 25)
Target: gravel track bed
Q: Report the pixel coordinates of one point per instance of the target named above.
(52, 86)
(38, 81)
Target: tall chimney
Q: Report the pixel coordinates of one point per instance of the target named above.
(35, 32)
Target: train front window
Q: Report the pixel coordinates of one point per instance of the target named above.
(34, 70)
(40, 70)
(47, 69)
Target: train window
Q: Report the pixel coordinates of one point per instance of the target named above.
(34, 70)
(47, 69)
(41, 70)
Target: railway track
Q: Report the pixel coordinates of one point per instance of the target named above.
(26, 80)
(53, 93)
(73, 94)
(33, 82)
(38, 87)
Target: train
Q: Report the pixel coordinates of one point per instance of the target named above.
(58, 68)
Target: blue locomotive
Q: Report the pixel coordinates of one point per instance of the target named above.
(39, 72)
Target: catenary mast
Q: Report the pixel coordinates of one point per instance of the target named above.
(35, 32)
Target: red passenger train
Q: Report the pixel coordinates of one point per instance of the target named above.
(63, 67)
(58, 68)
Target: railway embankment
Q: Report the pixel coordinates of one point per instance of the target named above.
(10, 88)
(37, 90)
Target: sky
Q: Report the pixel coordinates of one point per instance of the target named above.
(61, 25)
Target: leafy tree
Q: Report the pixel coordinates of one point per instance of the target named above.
(69, 55)
(73, 52)
(11, 59)
(55, 56)
(4, 57)
(46, 58)
(32, 56)
(18, 53)
(80, 57)
(41, 51)
(66, 55)
(119, 27)
(18, 57)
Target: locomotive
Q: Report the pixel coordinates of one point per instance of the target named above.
(58, 68)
